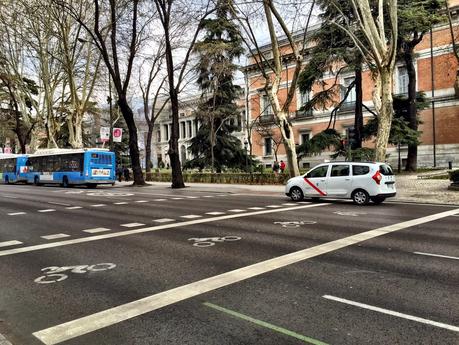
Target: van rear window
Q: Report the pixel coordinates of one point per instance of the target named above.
(358, 170)
(385, 170)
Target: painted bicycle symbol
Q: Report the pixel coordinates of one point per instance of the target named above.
(54, 274)
(295, 224)
(210, 241)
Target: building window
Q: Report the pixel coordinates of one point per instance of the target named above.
(266, 108)
(158, 136)
(190, 129)
(268, 147)
(304, 137)
(182, 130)
(304, 98)
(166, 132)
(351, 96)
(196, 126)
(402, 80)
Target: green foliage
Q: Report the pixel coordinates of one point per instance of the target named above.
(417, 16)
(328, 138)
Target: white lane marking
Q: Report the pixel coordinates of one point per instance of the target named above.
(120, 203)
(74, 208)
(437, 255)
(9, 243)
(149, 229)
(98, 205)
(105, 318)
(177, 198)
(393, 313)
(16, 213)
(10, 196)
(289, 204)
(191, 197)
(163, 220)
(215, 213)
(55, 236)
(58, 203)
(132, 225)
(191, 216)
(256, 208)
(274, 206)
(96, 230)
(141, 201)
(159, 200)
(47, 210)
(208, 196)
(236, 210)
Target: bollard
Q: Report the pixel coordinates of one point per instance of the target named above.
(450, 165)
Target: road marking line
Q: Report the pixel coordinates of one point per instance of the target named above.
(208, 196)
(192, 197)
(47, 210)
(10, 197)
(96, 230)
(177, 198)
(141, 201)
(289, 204)
(148, 229)
(58, 203)
(236, 210)
(74, 208)
(163, 220)
(265, 324)
(159, 200)
(16, 213)
(393, 313)
(256, 208)
(120, 203)
(53, 237)
(274, 206)
(98, 205)
(9, 243)
(191, 216)
(437, 255)
(215, 213)
(132, 225)
(105, 318)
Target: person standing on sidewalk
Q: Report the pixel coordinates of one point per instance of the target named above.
(282, 166)
(276, 168)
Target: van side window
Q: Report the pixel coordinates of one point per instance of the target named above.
(318, 172)
(339, 170)
(358, 170)
(385, 170)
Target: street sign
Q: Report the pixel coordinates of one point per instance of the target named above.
(104, 134)
(117, 135)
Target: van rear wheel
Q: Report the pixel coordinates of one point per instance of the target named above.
(296, 194)
(360, 197)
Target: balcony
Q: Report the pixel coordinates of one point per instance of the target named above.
(347, 106)
(303, 114)
(268, 118)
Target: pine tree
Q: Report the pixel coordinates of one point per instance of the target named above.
(217, 51)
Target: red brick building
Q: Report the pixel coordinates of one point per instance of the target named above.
(436, 68)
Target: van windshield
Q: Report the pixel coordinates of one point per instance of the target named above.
(385, 169)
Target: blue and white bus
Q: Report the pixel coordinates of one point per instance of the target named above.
(13, 168)
(68, 167)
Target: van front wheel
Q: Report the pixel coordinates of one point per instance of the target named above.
(360, 197)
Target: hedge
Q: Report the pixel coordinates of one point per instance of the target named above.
(230, 178)
(454, 176)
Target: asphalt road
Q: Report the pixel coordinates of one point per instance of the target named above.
(206, 267)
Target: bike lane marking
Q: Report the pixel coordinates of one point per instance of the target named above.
(265, 324)
(10, 243)
(149, 229)
(96, 230)
(55, 236)
(111, 316)
(393, 313)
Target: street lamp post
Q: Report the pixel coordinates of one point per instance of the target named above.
(246, 144)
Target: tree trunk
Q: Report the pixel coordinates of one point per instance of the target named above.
(358, 120)
(289, 144)
(133, 142)
(174, 156)
(408, 56)
(148, 163)
(384, 104)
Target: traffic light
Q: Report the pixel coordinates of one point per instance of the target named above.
(351, 137)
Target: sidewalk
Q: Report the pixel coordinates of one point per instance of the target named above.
(410, 188)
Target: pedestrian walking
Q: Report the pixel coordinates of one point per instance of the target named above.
(126, 174)
(282, 166)
(119, 173)
(276, 168)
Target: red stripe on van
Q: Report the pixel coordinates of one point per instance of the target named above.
(315, 187)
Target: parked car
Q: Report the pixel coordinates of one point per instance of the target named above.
(358, 181)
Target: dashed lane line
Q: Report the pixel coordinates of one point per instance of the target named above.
(274, 206)
(10, 243)
(148, 229)
(159, 200)
(96, 230)
(16, 213)
(54, 237)
(208, 196)
(191, 216)
(47, 210)
(120, 203)
(163, 220)
(98, 205)
(132, 225)
(236, 210)
(84, 325)
(141, 201)
(73, 208)
(437, 255)
(58, 203)
(393, 313)
(256, 208)
(177, 198)
(215, 213)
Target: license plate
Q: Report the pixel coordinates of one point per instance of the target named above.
(100, 172)
(390, 186)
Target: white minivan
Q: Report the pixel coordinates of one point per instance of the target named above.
(358, 181)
